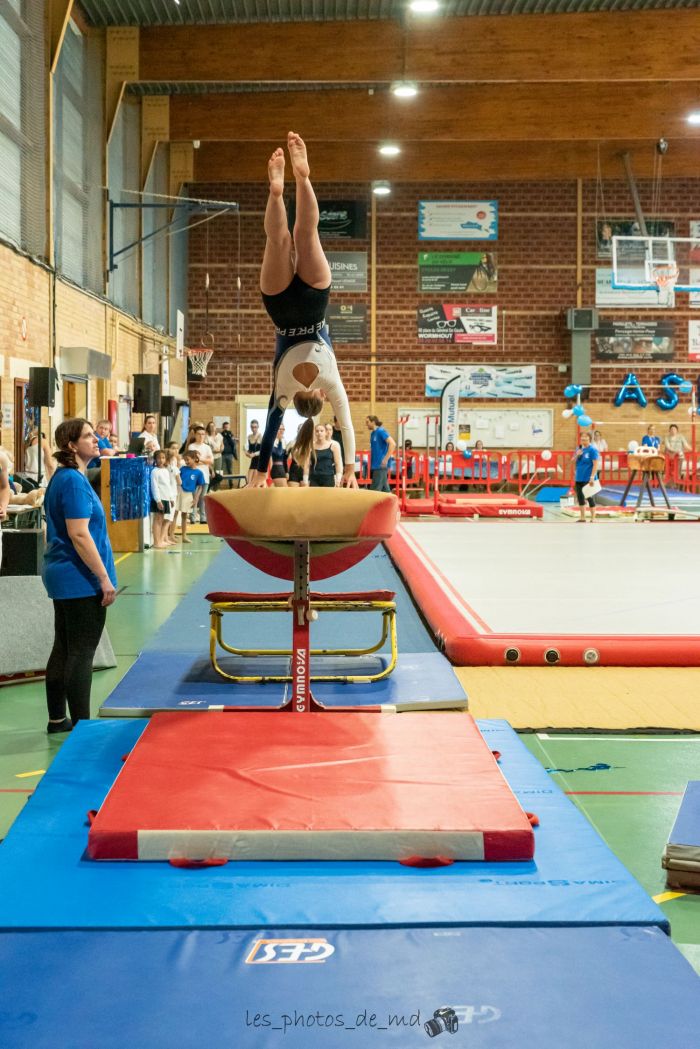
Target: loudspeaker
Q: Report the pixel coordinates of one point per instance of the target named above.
(167, 407)
(581, 358)
(146, 393)
(42, 387)
(22, 551)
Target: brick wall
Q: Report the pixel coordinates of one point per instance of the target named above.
(536, 282)
(81, 320)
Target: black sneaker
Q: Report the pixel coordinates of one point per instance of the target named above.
(59, 726)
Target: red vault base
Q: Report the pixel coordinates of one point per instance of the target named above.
(271, 786)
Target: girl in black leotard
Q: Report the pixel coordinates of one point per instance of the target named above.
(295, 281)
(278, 458)
(253, 448)
(325, 467)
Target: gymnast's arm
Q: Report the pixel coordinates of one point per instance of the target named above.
(341, 409)
(275, 415)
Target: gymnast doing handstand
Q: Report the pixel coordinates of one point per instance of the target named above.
(295, 281)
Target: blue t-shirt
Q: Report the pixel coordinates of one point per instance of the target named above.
(584, 463)
(191, 477)
(102, 442)
(69, 496)
(379, 446)
(651, 442)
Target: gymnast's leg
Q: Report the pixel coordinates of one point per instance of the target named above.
(311, 262)
(277, 267)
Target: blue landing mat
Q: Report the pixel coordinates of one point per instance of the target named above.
(173, 672)
(627, 988)
(47, 882)
(160, 681)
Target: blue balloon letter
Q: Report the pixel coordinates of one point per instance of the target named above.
(630, 391)
(670, 398)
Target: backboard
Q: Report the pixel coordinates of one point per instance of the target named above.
(671, 263)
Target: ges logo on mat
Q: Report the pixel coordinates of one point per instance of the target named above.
(276, 952)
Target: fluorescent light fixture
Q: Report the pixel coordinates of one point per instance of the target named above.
(694, 117)
(381, 188)
(404, 89)
(389, 151)
(423, 7)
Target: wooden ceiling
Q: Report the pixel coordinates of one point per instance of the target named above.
(509, 97)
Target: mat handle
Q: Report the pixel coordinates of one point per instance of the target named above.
(496, 754)
(533, 819)
(91, 814)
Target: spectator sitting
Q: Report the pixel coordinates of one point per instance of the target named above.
(149, 436)
(675, 447)
(599, 441)
(104, 443)
(650, 438)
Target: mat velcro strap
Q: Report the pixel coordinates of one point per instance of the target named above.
(426, 861)
(183, 862)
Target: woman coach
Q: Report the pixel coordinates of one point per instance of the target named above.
(78, 574)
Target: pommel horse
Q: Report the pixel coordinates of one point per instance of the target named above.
(302, 535)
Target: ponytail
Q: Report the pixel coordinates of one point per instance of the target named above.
(67, 431)
(302, 449)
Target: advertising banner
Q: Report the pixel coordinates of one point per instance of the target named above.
(694, 340)
(449, 411)
(606, 229)
(634, 341)
(470, 271)
(348, 270)
(647, 298)
(347, 323)
(457, 220)
(346, 219)
(497, 382)
(457, 323)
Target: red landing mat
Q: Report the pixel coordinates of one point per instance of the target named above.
(283, 786)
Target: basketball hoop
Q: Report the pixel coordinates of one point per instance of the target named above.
(665, 276)
(198, 361)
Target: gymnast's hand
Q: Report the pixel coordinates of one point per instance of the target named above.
(259, 480)
(349, 478)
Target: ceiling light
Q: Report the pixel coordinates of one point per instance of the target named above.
(423, 7)
(694, 118)
(381, 188)
(404, 89)
(389, 150)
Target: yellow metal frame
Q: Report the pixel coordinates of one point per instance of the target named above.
(218, 609)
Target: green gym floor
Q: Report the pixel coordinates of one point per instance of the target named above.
(629, 786)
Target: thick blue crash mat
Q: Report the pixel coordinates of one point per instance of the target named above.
(493, 988)
(47, 881)
(162, 681)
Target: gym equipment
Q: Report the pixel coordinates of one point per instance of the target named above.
(325, 532)
(208, 788)
(681, 856)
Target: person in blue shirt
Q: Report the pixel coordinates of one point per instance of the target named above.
(650, 438)
(192, 484)
(587, 459)
(104, 444)
(381, 450)
(78, 574)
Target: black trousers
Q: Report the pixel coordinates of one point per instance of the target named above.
(78, 623)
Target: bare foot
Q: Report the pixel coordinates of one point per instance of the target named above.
(297, 155)
(275, 169)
